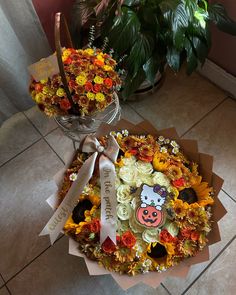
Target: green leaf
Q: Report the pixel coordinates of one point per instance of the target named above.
(219, 16)
(151, 68)
(140, 52)
(201, 48)
(180, 20)
(133, 83)
(173, 59)
(167, 5)
(124, 30)
(192, 61)
(132, 2)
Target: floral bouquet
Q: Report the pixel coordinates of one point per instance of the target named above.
(91, 78)
(138, 201)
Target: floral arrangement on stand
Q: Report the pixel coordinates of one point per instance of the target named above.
(163, 212)
(92, 80)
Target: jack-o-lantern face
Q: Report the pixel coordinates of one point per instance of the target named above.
(150, 216)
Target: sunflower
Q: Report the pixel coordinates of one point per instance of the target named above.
(82, 214)
(203, 192)
(160, 162)
(161, 255)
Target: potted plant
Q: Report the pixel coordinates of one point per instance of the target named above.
(151, 33)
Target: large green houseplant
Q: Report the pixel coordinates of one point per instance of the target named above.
(152, 33)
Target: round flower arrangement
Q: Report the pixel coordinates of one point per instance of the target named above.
(91, 79)
(163, 207)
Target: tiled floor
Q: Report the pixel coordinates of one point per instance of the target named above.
(32, 150)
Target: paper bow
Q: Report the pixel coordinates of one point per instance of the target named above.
(108, 156)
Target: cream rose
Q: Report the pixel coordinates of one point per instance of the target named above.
(123, 193)
(161, 179)
(144, 168)
(151, 235)
(129, 161)
(142, 178)
(128, 174)
(124, 211)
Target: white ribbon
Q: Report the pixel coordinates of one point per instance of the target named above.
(108, 193)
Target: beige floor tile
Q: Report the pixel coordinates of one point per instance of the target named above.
(59, 142)
(60, 273)
(43, 123)
(219, 277)
(216, 136)
(1, 282)
(26, 182)
(129, 114)
(3, 291)
(16, 134)
(180, 102)
(227, 228)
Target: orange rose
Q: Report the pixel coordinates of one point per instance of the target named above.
(166, 237)
(108, 246)
(145, 159)
(128, 239)
(38, 87)
(195, 235)
(186, 233)
(95, 225)
(108, 82)
(68, 61)
(98, 62)
(96, 88)
(65, 104)
(88, 86)
(179, 182)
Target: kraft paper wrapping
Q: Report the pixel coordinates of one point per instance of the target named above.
(205, 162)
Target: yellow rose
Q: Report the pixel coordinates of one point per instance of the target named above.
(66, 53)
(83, 74)
(44, 81)
(39, 97)
(81, 80)
(99, 97)
(107, 68)
(100, 57)
(90, 95)
(90, 51)
(46, 90)
(98, 80)
(60, 92)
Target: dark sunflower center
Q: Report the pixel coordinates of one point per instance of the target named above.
(158, 251)
(78, 212)
(188, 195)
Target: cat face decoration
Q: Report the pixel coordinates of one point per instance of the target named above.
(150, 212)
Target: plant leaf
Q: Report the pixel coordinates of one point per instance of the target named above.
(179, 20)
(173, 59)
(192, 61)
(201, 48)
(151, 68)
(219, 16)
(140, 52)
(124, 30)
(131, 2)
(132, 83)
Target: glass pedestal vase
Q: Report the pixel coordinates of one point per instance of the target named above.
(76, 127)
